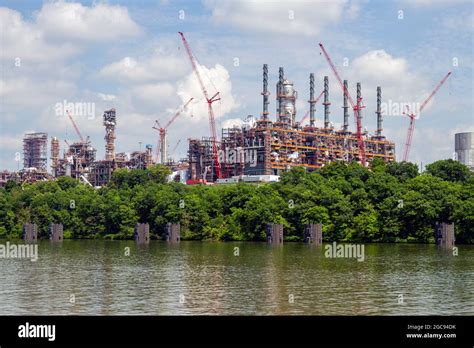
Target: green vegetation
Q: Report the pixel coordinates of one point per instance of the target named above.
(386, 203)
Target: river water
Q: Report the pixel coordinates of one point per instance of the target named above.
(207, 278)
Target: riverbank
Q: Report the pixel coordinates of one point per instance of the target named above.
(384, 203)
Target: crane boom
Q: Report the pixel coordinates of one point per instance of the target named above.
(160, 148)
(355, 107)
(75, 127)
(178, 113)
(307, 112)
(215, 97)
(434, 91)
(412, 117)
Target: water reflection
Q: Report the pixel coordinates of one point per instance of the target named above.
(208, 278)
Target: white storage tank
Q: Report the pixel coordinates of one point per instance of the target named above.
(464, 148)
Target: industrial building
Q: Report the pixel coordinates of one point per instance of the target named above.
(258, 151)
(78, 160)
(264, 147)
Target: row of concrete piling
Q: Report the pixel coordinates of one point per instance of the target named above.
(172, 233)
(30, 232)
(313, 233)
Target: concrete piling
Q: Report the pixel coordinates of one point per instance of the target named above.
(142, 233)
(30, 232)
(313, 234)
(56, 232)
(444, 235)
(275, 233)
(173, 233)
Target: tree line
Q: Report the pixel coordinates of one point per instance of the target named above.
(384, 203)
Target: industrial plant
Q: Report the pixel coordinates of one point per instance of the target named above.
(257, 151)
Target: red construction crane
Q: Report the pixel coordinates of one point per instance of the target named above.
(412, 116)
(307, 112)
(355, 107)
(215, 97)
(75, 127)
(161, 147)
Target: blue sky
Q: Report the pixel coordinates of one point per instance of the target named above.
(128, 55)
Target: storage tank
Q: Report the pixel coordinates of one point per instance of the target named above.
(464, 148)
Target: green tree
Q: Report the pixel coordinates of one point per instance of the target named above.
(402, 170)
(449, 170)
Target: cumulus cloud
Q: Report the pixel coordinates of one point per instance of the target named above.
(379, 68)
(158, 67)
(73, 23)
(25, 41)
(282, 17)
(189, 87)
(96, 23)
(399, 82)
(230, 123)
(153, 92)
(22, 91)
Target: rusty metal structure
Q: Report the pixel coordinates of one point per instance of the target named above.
(265, 147)
(110, 121)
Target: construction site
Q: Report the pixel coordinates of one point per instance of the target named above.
(266, 147)
(257, 151)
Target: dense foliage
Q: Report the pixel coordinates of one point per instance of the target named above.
(386, 203)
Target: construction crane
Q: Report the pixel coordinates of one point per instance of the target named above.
(161, 147)
(412, 116)
(215, 97)
(355, 107)
(307, 112)
(75, 127)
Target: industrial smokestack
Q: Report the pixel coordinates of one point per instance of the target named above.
(326, 102)
(281, 78)
(346, 109)
(311, 101)
(265, 92)
(379, 112)
(359, 102)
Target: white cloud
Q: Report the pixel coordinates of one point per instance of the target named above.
(96, 23)
(151, 93)
(27, 42)
(189, 87)
(229, 123)
(158, 67)
(282, 17)
(106, 97)
(379, 68)
(73, 23)
(22, 91)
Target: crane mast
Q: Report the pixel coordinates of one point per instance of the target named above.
(215, 97)
(355, 107)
